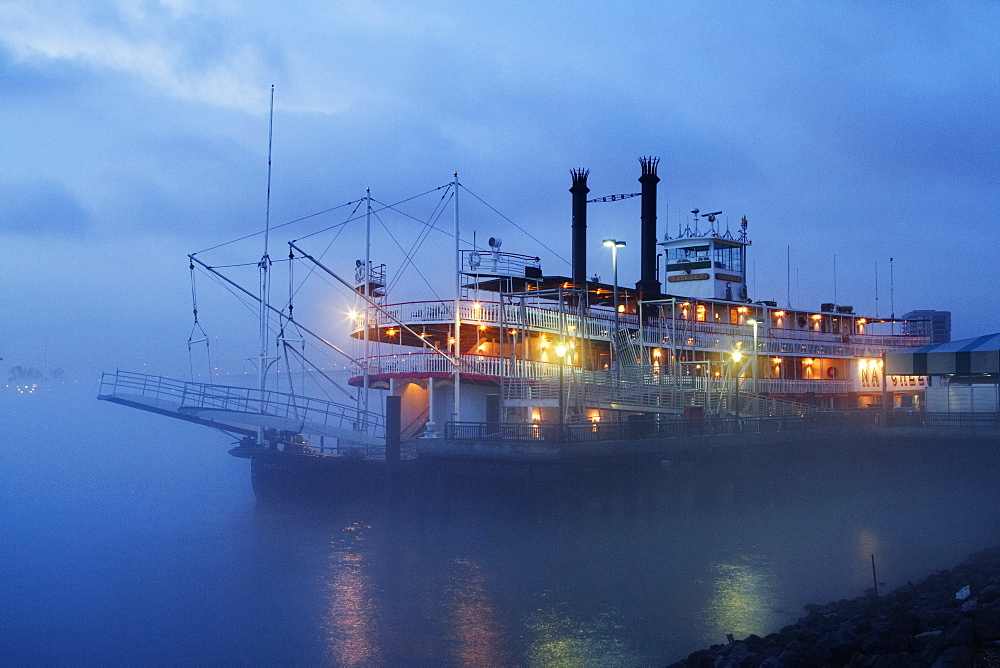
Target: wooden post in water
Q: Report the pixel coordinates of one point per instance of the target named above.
(874, 579)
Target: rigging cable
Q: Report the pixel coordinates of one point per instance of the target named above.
(408, 261)
(530, 236)
(197, 328)
(429, 225)
(278, 227)
(342, 227)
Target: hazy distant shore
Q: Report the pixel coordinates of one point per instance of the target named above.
(933, 622)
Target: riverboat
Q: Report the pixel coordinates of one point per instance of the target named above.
(520, 364)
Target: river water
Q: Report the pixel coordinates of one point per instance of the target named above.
(129, 538)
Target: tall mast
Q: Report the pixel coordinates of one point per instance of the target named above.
(458, 317)
(366, 291)
(264, 268)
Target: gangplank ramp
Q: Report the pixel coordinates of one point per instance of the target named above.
(242, 410)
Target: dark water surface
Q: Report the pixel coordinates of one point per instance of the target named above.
(128, 538)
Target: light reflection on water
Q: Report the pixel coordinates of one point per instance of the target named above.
(558, 637)
(473, 616)
(351, 612)
(743, 599)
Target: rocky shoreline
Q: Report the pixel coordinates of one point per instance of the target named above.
(935, 622)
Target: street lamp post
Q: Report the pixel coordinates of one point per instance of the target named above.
(614, 245)
(737, 356)
(755, 323)
(561, 354)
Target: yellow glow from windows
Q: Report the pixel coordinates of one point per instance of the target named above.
(657, 352)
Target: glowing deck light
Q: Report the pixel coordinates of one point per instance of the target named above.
(737, 356)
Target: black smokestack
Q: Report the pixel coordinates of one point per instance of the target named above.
(579, 191)
(648, 285)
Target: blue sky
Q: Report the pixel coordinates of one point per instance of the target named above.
(135, 132)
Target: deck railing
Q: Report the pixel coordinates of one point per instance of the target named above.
(589, 432)
(597, 324)
(515, 372)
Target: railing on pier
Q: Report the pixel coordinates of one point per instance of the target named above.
(638, 388)
(589, 432)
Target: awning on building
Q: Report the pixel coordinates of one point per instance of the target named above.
(978, 355)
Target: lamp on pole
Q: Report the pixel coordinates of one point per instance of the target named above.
(561, 354)
(737, 356)
(614, 245)
(754, 322)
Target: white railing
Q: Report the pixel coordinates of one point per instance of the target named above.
(483, 365)
(517, 370)
(642, 390)
(597, 323)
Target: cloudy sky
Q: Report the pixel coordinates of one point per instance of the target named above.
(135, 132)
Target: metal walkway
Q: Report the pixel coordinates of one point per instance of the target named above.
(242, 410)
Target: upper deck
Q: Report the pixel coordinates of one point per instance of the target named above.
(666, 324)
